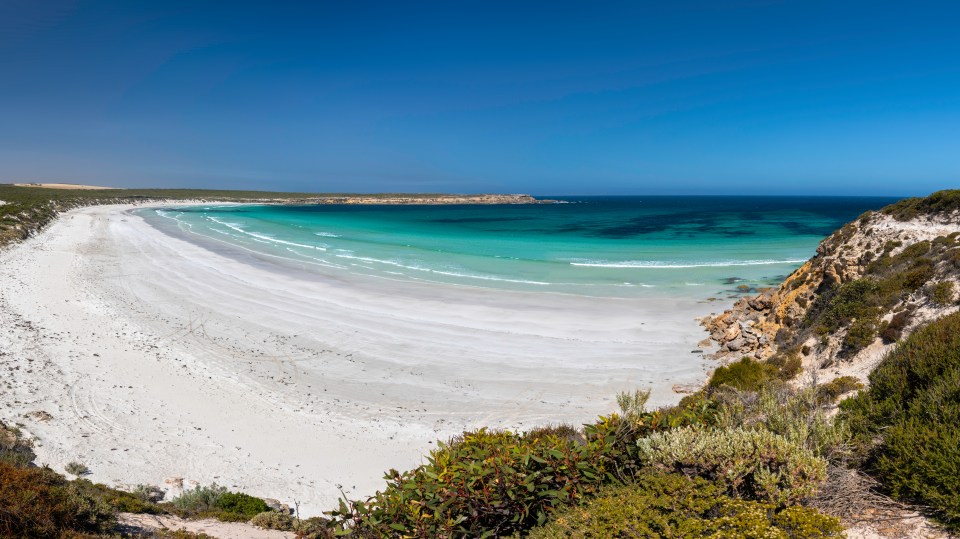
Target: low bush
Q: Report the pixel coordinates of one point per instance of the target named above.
(796, 414)
(38, 502)
(892, 331)
(836, 388)
(906, 422)
(745, 375)
(942, 293)
(670, 505)
(757, 464)
(218, 502)
(788, 363)
(236, 506)
(273, 520)
(14, 448)
(491, 484)
(76, 468)
(862, 332)
(118, 500)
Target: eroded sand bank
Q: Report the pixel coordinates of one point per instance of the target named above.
(159, 359)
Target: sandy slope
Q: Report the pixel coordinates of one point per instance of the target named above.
(162, 361)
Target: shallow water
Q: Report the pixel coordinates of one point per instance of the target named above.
(597, 246)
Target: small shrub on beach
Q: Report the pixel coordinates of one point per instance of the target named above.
(237, 506)
(218, 502)
(200, 499)
(77, 469)
(757, 464)
(671, 505)
(273, 520)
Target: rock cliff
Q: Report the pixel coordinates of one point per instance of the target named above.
(869, 283)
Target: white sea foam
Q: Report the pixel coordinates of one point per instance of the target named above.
(327, 234)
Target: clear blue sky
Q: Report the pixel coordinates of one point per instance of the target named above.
(630, 97)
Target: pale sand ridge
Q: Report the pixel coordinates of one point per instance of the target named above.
(161, 359)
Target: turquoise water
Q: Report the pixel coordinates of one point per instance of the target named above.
(606, 246)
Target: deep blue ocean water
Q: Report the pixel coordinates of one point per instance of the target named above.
(608, 246)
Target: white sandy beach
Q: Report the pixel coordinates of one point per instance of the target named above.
(159, 360)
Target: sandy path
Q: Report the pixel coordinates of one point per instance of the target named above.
(161, 360)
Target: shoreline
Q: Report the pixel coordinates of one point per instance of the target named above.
(211, 370)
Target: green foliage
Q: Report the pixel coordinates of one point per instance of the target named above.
(862, 333)
(118, 500)
(492, 483)
(942, 293)
(746, 375)
(77, 468)
(39, 503)
(937, 203)
(906, 422)
(788, 364)
(753, 463)
(850, 301)
(273, 520)
(14, 448)
(798, 415)
(200, 499)
(670, 505)
(891, 331)
(836, 388)
(633, 405)
(237, 506)
(216, 501)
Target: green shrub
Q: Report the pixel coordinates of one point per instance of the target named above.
(118, 500)
(669, 506)
(753, 463)
(892, 331)
(746, 375)
(201, 499)
(946, 201)
(236, 506)
(862, 333)
(489, 483)
(273, 520)
(14, 448)
(77, 468)
(942, 293)
(836, 388)
(38, 502)
(788, 364)
(906, 422)
(218, 502)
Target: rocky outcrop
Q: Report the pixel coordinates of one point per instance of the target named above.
(760, 325)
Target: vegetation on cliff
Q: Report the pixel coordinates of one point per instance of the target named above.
(906, 423)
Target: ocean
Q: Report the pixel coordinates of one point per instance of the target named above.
(704, 247)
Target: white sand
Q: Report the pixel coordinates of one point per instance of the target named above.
(159, 359)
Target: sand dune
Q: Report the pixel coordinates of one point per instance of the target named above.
(168, 362)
